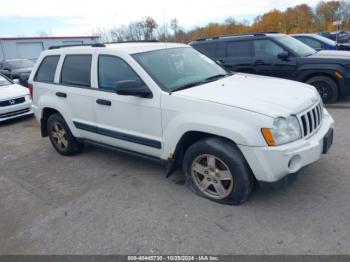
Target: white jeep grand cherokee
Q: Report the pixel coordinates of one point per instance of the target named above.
(171, 103)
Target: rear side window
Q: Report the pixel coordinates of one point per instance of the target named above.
(76, 70)
(111, 70)
(239, 49)
(47, 69)
(212, 49)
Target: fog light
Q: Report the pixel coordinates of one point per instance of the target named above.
(294, 163)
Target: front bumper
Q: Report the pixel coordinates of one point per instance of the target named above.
(272, 164)
(19, 110)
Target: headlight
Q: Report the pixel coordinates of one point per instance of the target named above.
(284, 130)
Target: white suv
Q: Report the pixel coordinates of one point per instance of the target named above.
(169, 102)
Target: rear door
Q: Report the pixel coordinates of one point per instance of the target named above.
(239, 56)
(266, 61)
(75, 94)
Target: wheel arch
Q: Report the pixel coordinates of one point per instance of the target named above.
(46, 113)
(326, 74)
(187, 139)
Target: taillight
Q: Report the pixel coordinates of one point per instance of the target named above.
(30, 87)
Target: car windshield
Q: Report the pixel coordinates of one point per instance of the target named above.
(299, 48)
(17, 64)
(179, 68)
(4, 81)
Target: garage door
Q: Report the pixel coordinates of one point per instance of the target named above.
(29, 50)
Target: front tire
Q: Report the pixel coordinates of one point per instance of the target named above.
(327, 88)
(216, 169)
(61, 137)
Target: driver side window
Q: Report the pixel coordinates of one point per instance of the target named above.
(111, 70)
(266, 47)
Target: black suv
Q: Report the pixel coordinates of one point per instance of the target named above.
(280, 55)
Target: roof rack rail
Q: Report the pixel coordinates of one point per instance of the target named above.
(243, 34)
(133, 41)
(64, 46)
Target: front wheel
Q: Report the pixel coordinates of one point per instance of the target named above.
(216, 169)
(326, 86)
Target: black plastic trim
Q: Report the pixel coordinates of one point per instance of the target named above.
(118, 149)
(119, 135)
(279, 184)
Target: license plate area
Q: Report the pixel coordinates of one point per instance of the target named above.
(327, 141)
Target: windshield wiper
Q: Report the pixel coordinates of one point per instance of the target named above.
(187, 86)
(215, 77)
(207, 80)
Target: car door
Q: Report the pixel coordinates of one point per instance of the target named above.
(267, 62)
(128, 122)
(239, 56)
(75, 94)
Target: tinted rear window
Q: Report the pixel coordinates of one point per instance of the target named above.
(239, 49)
(212, 49)
(76, 70)
(47, 69)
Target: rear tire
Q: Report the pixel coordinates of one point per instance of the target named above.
(216, 169)
(327, 88)
(61, 137)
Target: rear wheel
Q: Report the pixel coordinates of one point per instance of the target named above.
(61, 137)
(326, 86)
(216, 169)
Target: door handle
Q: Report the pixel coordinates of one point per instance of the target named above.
(259, 62)
(60, 94)
(103, 102)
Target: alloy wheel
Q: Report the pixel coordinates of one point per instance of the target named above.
(59, 136)
(212, 176)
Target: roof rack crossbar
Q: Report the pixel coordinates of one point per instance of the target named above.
(64, 46)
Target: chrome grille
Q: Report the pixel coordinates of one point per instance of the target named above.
(311, 120)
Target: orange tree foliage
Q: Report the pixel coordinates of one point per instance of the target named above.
(298, 19)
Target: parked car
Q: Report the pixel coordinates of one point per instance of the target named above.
(283, 56)
(340, 36)
(318, 42)
(170, 103)
(15, 100)
(17, 69)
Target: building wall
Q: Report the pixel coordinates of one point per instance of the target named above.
(30, 48)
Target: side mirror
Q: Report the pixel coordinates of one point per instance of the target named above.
(283, 56)
(133, 88)
(16, 81)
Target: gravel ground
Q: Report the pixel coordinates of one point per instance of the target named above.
(103, 202)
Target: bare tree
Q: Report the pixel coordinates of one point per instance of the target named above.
(43, 33)
(150, 26)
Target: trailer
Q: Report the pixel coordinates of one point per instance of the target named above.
(31, 47)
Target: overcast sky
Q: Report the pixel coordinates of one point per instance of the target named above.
(80, 17)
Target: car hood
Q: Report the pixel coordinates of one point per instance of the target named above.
(12, 91)
(326, 54)
(265, 95)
